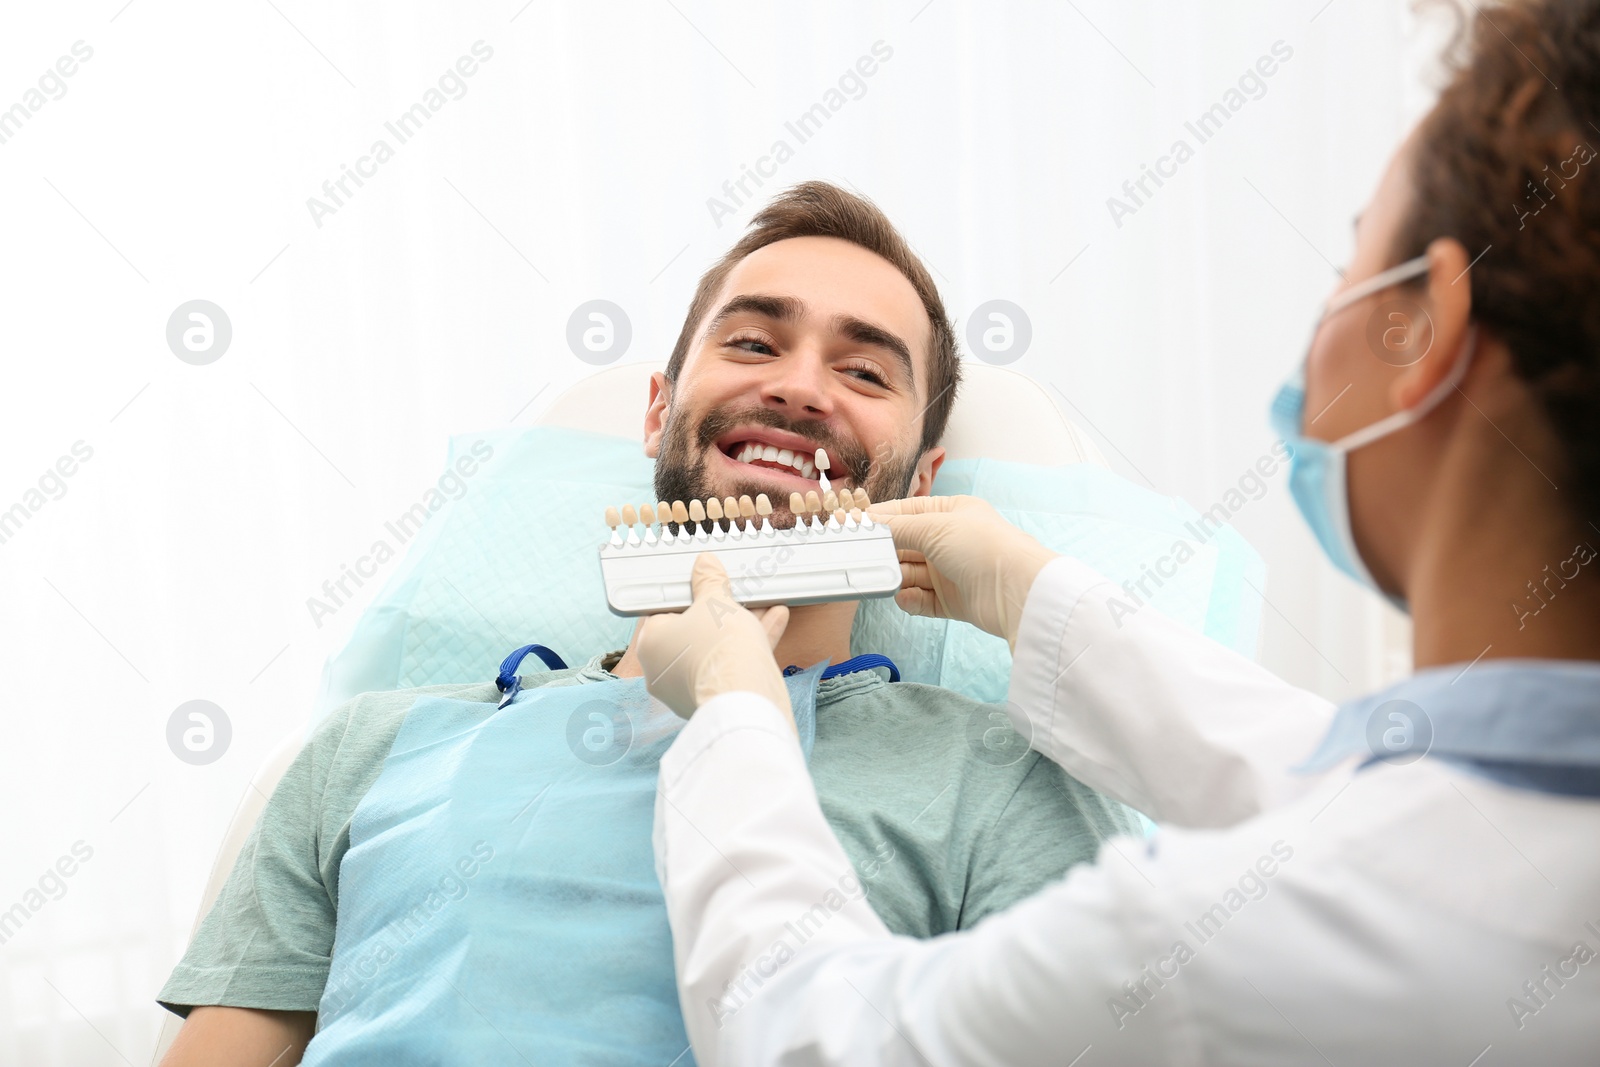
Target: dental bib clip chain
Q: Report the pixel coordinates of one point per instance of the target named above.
(846, 556)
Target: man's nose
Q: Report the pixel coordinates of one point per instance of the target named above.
(800, 386)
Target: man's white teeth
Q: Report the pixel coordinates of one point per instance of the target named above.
(751, 451)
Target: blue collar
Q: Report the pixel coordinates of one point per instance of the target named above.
(1531, 724)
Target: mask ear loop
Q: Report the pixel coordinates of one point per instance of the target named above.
(1411, 268)
(1389, 424)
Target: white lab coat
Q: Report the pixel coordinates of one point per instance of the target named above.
(1407, 914)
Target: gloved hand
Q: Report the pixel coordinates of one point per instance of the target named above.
(715, 646)
(960, 560)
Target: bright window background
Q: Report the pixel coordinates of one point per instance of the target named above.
(578, 165)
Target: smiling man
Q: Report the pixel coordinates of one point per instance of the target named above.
(363, 918)
(820, 328)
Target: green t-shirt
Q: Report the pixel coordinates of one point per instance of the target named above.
(945, 815)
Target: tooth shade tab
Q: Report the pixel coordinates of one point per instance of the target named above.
(663, 512)
(763, 505)
(629, 516)
(821, 460)
(747, 507)
(861, 499)
(830, 500)
(697, 511)
(730, 507)
(714, 508)
(647, 514)
(797, 504)
(813, 502)
(613, 519)
(680, 514)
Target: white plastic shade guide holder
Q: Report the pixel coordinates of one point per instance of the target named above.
(845, 556)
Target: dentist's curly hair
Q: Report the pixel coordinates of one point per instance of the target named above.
(1502, 141)
(818, 209)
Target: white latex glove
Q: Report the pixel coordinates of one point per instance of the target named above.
(715, 646)
(960, 560)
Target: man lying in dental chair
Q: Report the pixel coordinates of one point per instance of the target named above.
(440, 880)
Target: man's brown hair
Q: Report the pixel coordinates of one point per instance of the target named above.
(818, 209)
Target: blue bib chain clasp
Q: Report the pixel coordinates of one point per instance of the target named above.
(508, 681)
(510, 684)
(864, 662)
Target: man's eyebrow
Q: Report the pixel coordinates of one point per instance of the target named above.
(793, 309)
(865, 333)
(781, 308)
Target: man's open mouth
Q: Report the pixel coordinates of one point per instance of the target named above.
(771, 450)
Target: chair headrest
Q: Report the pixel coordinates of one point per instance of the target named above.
(513, 559)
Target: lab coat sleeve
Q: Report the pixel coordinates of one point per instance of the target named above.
(751, 871)
(1150, 712)
(780, 960)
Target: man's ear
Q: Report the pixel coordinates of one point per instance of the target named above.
(655, 414)
(1449, 306)
(927, 468)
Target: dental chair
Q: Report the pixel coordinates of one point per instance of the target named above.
(1001, 416)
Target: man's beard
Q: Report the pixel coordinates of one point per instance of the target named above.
(681, 463)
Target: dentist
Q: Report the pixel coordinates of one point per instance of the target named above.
(1411, 878)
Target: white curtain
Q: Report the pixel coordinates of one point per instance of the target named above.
(583, 157)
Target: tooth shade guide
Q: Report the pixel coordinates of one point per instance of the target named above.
(714, 508)
(827, 555)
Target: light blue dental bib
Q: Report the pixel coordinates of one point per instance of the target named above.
(498, 903)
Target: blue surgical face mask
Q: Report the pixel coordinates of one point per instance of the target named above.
(1317, 469)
